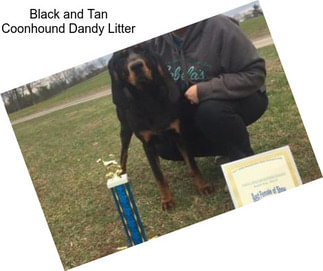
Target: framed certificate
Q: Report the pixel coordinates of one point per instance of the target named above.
(253, 178)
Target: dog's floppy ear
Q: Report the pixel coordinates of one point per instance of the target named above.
(117, 85)
(173, 90)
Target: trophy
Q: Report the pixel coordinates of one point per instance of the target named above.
(125, 203)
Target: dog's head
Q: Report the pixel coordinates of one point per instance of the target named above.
(137, 71)
(136, 66)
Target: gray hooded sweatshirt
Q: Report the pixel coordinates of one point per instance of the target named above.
(215, 55)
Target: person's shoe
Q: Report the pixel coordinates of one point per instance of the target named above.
(235, 153)
(221, 159)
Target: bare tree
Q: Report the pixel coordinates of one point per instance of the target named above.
(31, 94)
(256, 10)
(18, 98)
(70, 75)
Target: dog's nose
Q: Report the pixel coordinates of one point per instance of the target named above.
(136, 66)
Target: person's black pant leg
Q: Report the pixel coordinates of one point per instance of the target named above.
(223, 122)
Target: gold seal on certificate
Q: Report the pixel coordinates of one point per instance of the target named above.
(261, 175)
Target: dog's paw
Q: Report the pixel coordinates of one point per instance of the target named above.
(206, 189)
(168, 205)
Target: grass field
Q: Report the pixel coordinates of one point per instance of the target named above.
(61, 150)
(255, 28)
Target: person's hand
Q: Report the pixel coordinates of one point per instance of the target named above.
(191, 94)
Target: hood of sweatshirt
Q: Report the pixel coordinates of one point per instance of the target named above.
(216, 55)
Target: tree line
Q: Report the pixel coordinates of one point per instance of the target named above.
(35, 92)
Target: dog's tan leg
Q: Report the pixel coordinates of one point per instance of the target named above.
(167, 201)
(203, 187)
